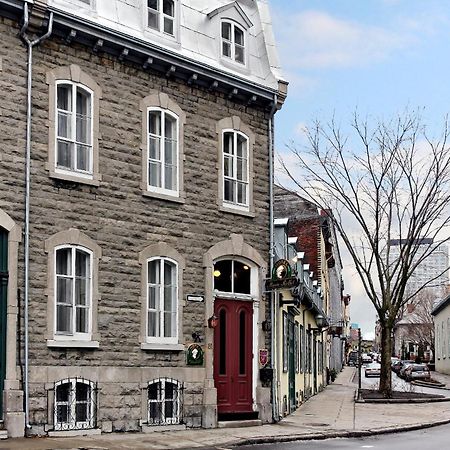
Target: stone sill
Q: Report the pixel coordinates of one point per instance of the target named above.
(168, 347)
(239, 212)
(74, 178)
(73, 433)
(160, 196)
(72, 344)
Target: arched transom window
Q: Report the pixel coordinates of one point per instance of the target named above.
(232, 276)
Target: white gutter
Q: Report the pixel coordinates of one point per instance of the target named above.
(30, 44)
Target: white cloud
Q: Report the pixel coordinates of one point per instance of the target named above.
(315, 39)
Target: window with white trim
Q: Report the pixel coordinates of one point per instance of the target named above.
(162, 301)
(74, 407)
(161, 16)
(232, 276)
(73, 292)
(74, 132)
(235, 168)
(162, 175)
(233, 42)
(164, 402)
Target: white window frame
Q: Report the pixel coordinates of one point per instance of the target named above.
(58, 335)
(235, 204)
(161, 17)
(72, 403)
(162, 392)
(72, 140)
(233, 294)
(161, 161)
(233, 44)
(161, 338)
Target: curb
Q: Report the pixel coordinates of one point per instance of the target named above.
(406, 400)
(443, 387)
(337, 434)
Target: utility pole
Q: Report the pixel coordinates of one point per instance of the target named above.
(359, 363)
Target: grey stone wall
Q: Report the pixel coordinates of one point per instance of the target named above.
(117, 216)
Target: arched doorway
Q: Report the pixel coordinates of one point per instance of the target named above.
(233, 338)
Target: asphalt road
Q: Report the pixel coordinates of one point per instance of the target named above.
(429, 439)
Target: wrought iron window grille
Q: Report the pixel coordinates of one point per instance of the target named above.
(75, 404)
(165, 402)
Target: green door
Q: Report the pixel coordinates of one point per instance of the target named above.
(3, 301)
(291, 373)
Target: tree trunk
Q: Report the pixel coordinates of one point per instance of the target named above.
(386, 352)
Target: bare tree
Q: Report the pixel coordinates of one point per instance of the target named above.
(418, 319)
(379, 184)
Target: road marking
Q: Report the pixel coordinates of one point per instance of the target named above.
(367, 446)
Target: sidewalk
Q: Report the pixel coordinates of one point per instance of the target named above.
(331, 413)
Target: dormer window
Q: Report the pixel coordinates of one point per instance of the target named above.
(233, 42)
(161, 16)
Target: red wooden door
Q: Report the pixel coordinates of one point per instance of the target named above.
(233, 338)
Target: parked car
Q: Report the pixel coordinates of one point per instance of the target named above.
(373, 370)
(366, 359)
(417, 372)
(353, 358)
(394, 359)
(396, 367)
(405, 365)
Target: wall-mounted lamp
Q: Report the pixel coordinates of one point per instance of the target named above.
(266, 326)
(320, 321)
(213, 321)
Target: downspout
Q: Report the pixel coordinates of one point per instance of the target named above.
(30, 44)
(273, 309)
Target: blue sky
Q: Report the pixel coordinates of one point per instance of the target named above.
(375, 56)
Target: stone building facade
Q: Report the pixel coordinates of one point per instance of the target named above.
(144, 237)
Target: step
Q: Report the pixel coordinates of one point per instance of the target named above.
(239, 423)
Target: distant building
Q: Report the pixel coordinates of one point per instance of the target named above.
(433, 267)
(441, 314)
(412, 331)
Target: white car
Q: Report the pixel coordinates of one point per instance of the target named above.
(373, 370)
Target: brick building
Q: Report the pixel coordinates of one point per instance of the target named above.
(134, 212)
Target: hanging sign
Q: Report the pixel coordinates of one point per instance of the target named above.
(282, 276)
